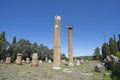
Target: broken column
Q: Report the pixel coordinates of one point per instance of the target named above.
(27, 60)
(8, 60)
(56, 60)
(78, 62)
(40, 61)
(35, 61)
(49, 61)
(19, 59)
(70, 46)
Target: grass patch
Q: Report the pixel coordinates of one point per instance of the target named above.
(4, 79)
(46, 72)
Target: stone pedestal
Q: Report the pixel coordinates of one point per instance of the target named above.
(82, 61)
(23, 61)
(40, 61)
(27, 60)
(8, 60)
(46, 59)
(34, 62)
(49, 61)
(87, 61)
(63, 60)
(56, 58)
(19, 59)
(70, 47)
(78, 62)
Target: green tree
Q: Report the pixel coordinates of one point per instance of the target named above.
(22, 46)
(41, 52)
(97, 53)
(115, 46)
(4, 45)
(35, 48)
(2, 36)
(118, 54)
(63, 56)
(105, 50)
(14, 40)
(50, 54)
(119, 43)
(10, 49)
(86, 58)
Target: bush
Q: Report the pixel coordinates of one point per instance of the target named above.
(115, 71)
(86, 58)
(118, 54)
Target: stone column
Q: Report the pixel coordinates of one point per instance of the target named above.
(56, 60)
(70, 46)
(8, 60)
(19, 59)
(35, 61)
(27, 60)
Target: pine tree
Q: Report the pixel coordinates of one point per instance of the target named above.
(2, 37)
(115, 46)
(3, 45)
(111, 46)
(97, 53)
(14, 40)
(105, 50)
(119, 43)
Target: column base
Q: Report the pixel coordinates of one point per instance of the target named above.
(56, 67)
(70, 64)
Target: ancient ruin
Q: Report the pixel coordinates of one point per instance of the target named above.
(70, 46)
(8, 60)
(40, 61)
(19, 59)
(56, 59)
(27, 60)
(49, 61)
(78, 62)
(35, 61)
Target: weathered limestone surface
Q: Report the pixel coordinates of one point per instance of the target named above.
(56, 60)
(27, 60)
(109, 61)
(8, 60)
(99, 68)
(19, 59)
(70, 46)
(35, 61)
(82, 61)
(49, 61)
(40, 61)
(78, 62)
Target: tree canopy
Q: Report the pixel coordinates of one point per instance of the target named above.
(25, 47)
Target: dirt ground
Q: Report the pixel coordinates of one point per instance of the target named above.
(45, 72)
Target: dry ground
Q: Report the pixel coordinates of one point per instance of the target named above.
(45, 72)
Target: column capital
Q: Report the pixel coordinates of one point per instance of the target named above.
(58, 17)
(70, 27)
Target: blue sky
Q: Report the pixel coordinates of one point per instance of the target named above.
(34, 20)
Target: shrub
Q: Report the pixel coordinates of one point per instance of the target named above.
(115, 72)
(118, 54)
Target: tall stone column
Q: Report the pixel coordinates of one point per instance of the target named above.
(70, 46)
(57, 51)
